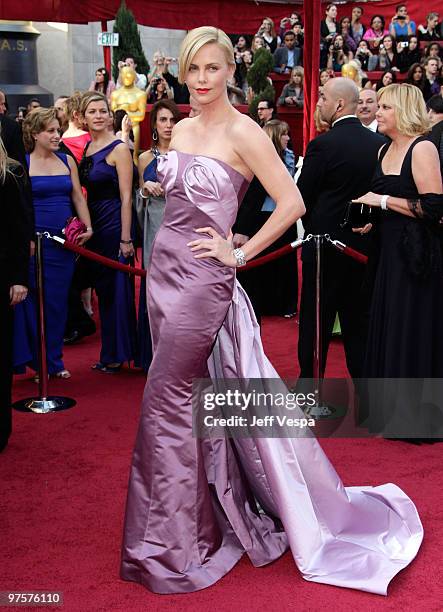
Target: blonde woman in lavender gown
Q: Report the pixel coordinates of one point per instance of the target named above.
(195, 506)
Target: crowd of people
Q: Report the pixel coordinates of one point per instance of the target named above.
(192, 506)
(77, 157)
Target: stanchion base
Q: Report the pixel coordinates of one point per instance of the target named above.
(52, 403)
(324, 411)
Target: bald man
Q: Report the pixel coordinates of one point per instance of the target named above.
(338, 167)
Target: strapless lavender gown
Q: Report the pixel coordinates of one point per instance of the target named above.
(196, 506)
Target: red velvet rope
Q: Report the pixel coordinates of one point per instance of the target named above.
(110, 263)
(252, 264)
(350, 252)
(140, 272)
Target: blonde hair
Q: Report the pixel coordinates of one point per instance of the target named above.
(198, 38)
(298, 71)
(72, 105)
(36, 121)
(92, 96)
(269, 20)
(409, 106)
(6, 163)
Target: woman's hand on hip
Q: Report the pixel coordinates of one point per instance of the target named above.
(216, 247)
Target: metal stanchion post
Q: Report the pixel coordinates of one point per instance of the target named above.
(44, 403)
(319, 410)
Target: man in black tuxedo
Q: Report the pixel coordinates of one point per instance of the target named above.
(338, 166)
(435, 112)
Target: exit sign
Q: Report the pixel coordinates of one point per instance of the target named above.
(107, 39)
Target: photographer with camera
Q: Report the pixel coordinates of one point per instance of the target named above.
(387, 56)
(367, 59)
(141, 78)
(267, 32)
(158, 89)
(160, 68)
(408, 53)
(287, 23)
(339, 54)
(401, 26)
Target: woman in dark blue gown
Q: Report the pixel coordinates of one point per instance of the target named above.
(106, 171)
(56, 196)
(164, 115)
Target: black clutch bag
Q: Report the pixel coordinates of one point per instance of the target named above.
(356, 215)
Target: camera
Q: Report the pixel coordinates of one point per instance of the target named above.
(381, 47)
(404, 45)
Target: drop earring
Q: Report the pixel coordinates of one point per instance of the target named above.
(155, 135)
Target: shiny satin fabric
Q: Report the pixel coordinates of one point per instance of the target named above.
(195, 506)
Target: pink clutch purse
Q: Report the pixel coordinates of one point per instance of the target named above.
(73, 228)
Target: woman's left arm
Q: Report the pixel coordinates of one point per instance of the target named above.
(258, 154)
(427, 177)
(121, 158)
(81, 208)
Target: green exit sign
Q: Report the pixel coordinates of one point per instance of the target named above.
(108, 39)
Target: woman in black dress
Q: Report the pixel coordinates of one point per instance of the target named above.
(406, 324)
(14, 269)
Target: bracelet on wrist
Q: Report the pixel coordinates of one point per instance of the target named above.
(384, 202)
(89, 229)
(240, 257)
(125, 241)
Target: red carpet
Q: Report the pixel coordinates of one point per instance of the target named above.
(64, 479)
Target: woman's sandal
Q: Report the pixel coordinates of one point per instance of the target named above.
(63, 374)
(107, 369)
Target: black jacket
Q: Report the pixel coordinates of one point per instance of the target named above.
(14, 246)
(11, 134)
(436, 136)
(338, 167)
(249, 217)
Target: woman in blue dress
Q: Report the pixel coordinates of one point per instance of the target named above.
(56, 195)
(164, 115)
(106, 171)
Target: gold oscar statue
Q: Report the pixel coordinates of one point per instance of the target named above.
(132, 100)
(352, 70)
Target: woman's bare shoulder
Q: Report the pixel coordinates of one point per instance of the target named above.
(242, 126)
(146, 157)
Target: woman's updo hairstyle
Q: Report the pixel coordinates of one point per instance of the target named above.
(195, 40)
